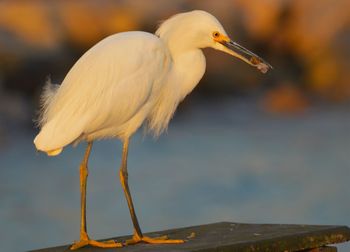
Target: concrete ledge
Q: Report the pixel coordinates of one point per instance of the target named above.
(226, 236)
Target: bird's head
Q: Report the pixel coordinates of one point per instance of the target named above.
(200, 29)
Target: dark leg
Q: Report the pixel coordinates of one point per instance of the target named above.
(138, 236)
(84, 238)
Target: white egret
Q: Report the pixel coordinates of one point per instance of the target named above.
(127, 80)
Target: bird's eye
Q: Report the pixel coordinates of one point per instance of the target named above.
(216, 34)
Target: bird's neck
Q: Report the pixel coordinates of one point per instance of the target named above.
(185, 73)
(188, 69)
(177, 47)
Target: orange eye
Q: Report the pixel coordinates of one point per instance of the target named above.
(216, 34)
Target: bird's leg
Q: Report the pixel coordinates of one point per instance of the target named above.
(137, 236)
(123, 174)
(84, 238)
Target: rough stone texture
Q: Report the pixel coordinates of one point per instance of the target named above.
(226, 236)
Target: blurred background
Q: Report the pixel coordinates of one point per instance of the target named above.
(243, 147)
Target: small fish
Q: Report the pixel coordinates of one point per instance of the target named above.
(260, 64)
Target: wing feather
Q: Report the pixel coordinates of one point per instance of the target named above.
(107, 86)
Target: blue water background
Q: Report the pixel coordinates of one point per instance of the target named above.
(219, 161)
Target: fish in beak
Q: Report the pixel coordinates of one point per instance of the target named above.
(248, 56)
(227, 45)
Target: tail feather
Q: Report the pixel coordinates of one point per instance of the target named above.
(46, 98)
(56, 134)
(47, 95)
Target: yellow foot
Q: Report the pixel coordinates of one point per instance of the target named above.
(156, 240)
(103, 244)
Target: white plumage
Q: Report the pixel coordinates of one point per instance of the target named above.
(106, 93)
(124, 81)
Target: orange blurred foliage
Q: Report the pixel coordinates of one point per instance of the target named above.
(29, 21)
(87, 22)
(285, 99)
(314, 33)
(314, 25)
(261, 18)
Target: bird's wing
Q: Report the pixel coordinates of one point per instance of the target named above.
(107, 85)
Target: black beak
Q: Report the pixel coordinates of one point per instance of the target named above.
(248, 56)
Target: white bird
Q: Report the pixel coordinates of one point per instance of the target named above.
(125, 81)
